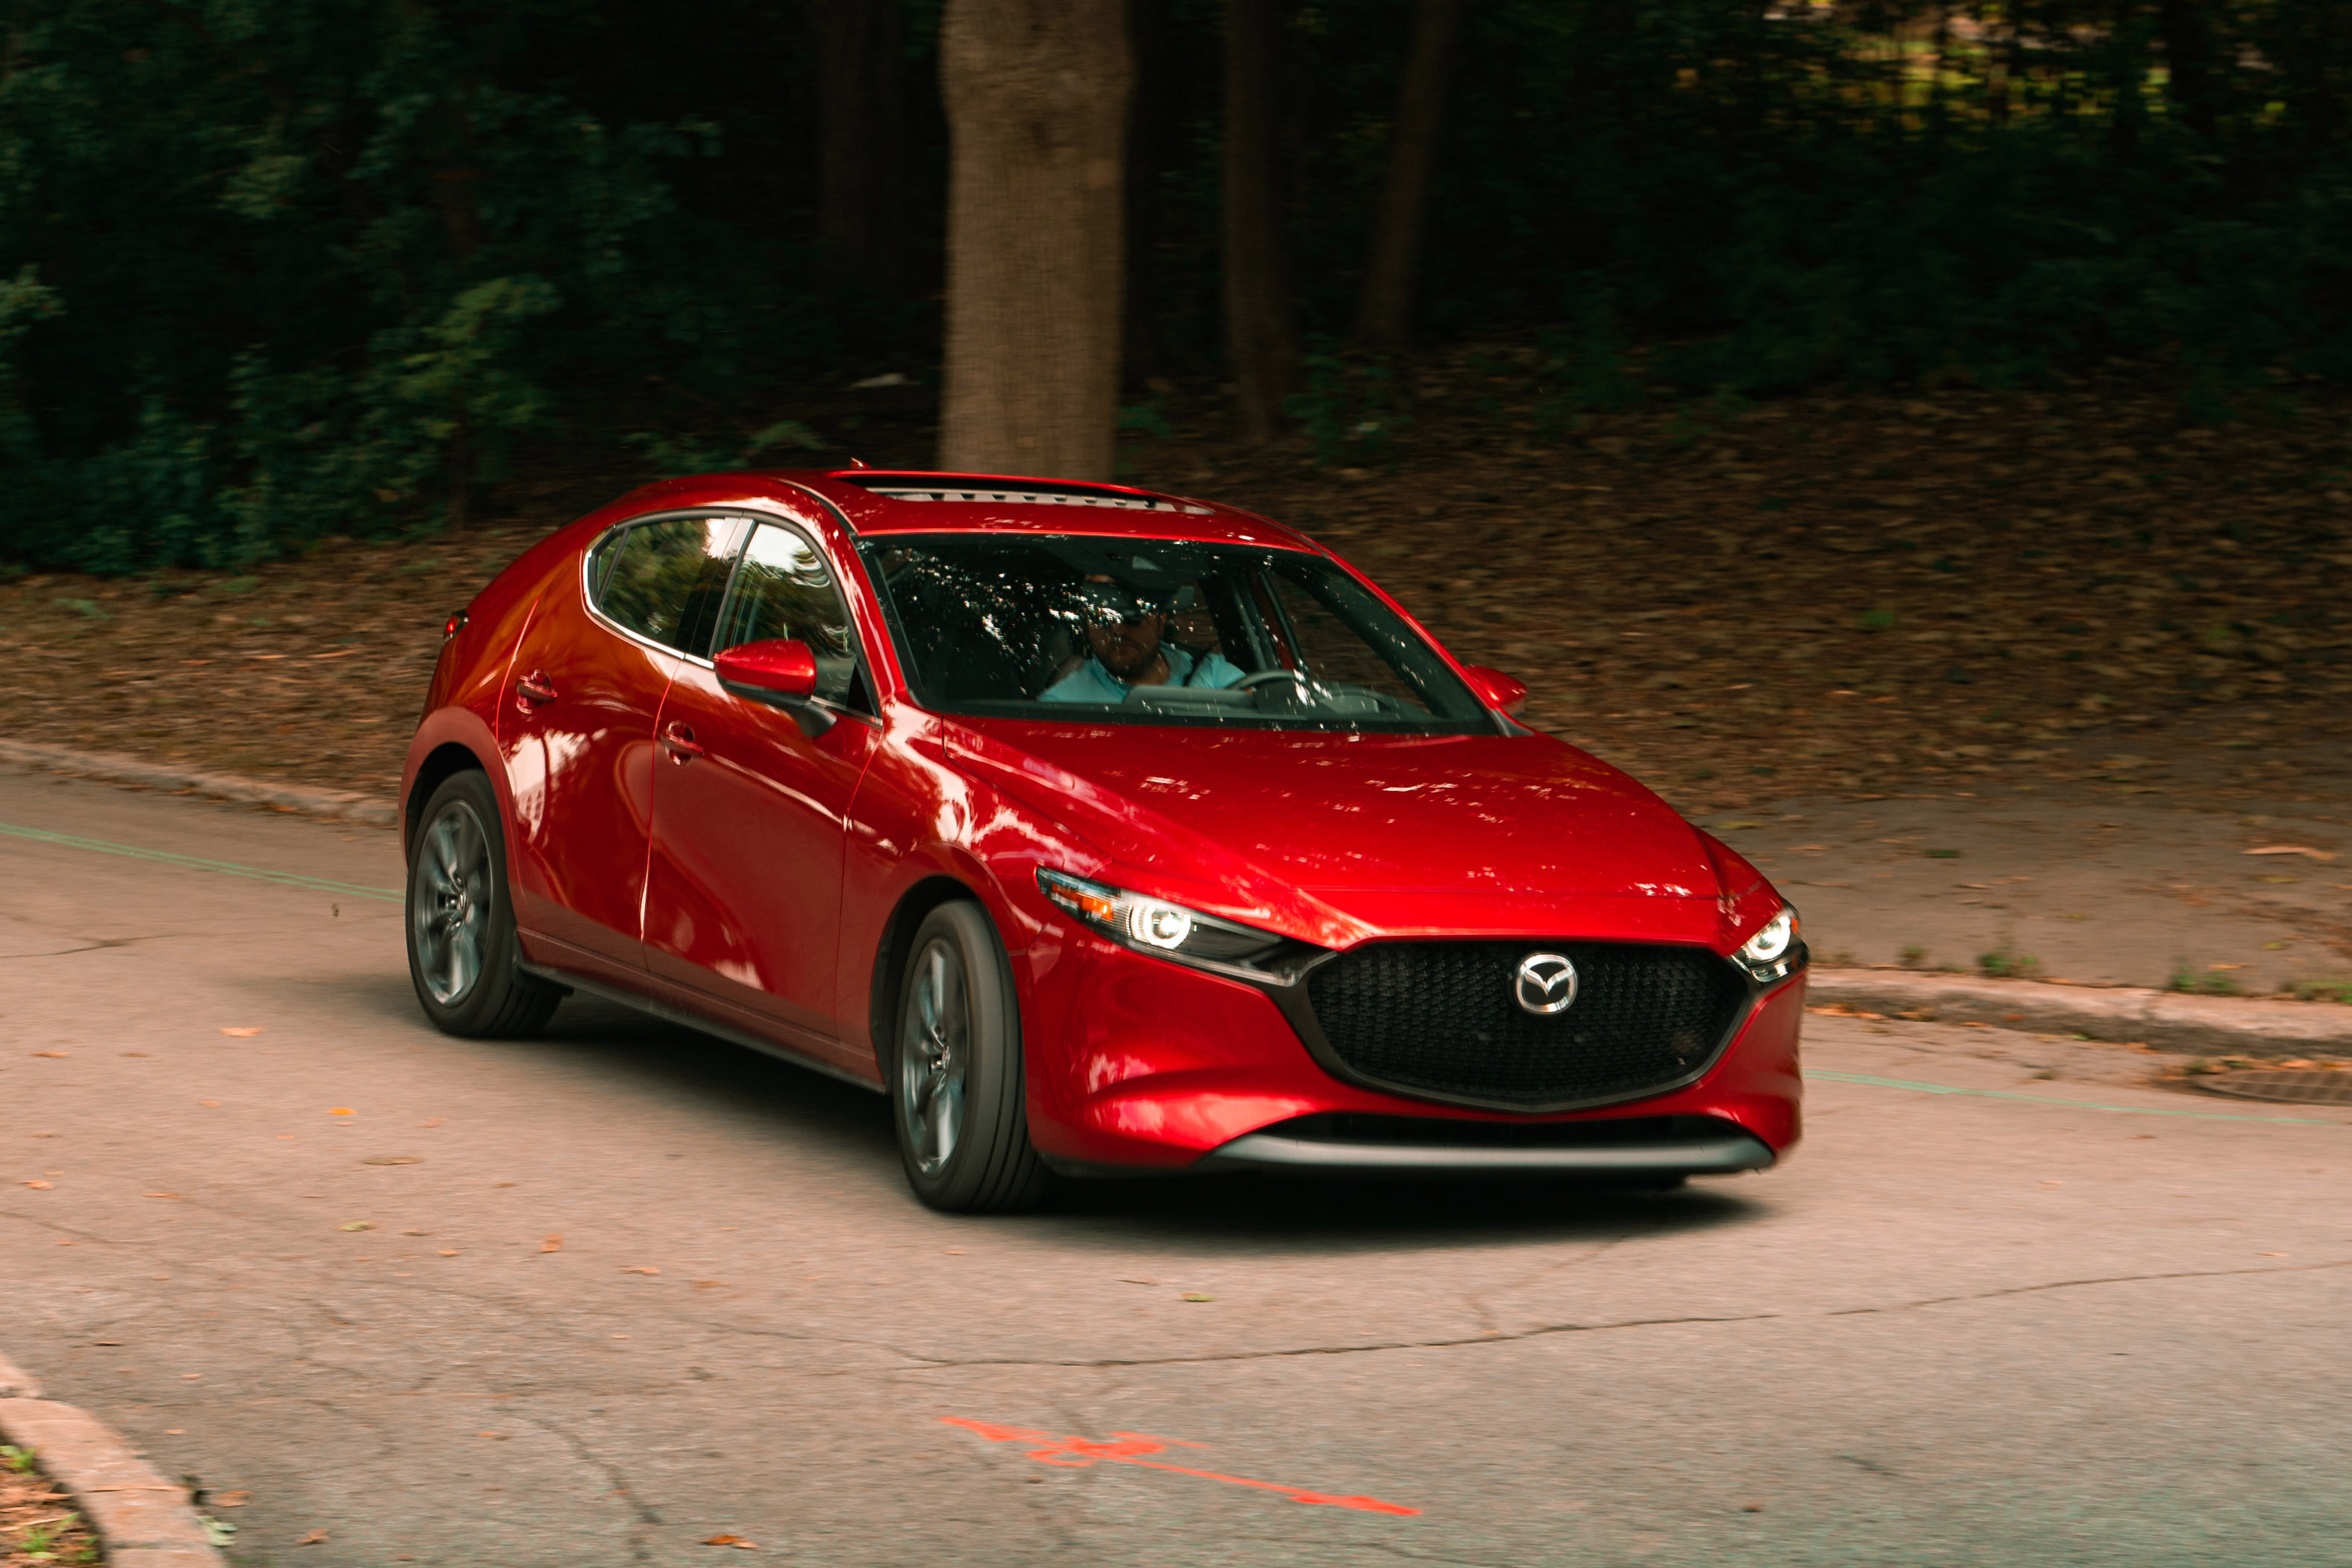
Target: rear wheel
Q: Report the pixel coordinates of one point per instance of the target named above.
(956, 1090)
(463, 953)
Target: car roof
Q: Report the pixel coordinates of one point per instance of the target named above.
(909, 501)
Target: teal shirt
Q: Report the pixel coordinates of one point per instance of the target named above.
(1090, 683)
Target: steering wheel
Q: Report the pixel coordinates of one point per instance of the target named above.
(1251, 682)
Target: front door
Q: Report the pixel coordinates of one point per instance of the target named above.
(577, 731)
(743, 888)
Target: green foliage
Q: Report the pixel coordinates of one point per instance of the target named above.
(2204, 982)
(39, 1537)
(274, 272)
(1349, 408)
(285, 270)
(16, 1458)
(2004, 964)
(672, 455)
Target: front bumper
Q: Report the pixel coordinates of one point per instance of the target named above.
(1137, 1064)
(1703, 1147)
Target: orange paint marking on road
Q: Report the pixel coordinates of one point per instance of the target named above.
(1130, 1448)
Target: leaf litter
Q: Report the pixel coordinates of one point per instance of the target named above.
(1829, 593)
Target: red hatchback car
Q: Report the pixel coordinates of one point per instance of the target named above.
(1103, 831)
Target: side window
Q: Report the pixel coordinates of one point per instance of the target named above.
(1336, 652)
(785, 589)
(665, 580)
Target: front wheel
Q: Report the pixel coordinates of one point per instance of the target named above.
(463, 953)
(954, 1065)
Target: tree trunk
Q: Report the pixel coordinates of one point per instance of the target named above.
(865, 204)
(1035, 93)
(2189, 63)
(1384, 311)
(1153, 129)
(1260, 340)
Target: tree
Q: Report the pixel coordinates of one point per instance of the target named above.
(864, 200)
(1384, 309)
(1261, 343)
(1035, 92)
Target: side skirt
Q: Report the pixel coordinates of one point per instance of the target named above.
(694, 1020)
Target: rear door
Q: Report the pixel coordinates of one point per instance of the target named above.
(577, 730)
(750, 805)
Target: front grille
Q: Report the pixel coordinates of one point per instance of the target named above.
(1440, 1018)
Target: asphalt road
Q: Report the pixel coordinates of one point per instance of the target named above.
(2089, 1323)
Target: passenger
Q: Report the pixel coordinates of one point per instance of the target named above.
(1125, 634)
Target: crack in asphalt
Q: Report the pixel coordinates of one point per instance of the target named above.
(2101, 1279)
(1476, 1300)
(1546, 1331)
(646, 1515)
(100, 946)
(1296, 1350)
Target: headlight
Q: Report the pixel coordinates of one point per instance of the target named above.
(1773, 952)
(1155, 925)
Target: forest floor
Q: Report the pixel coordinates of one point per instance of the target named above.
(1829, 593)
(37, 1522)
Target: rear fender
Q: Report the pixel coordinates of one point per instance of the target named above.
(443, 729)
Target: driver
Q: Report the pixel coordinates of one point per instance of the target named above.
(1125, 634)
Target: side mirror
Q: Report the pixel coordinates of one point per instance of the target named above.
(1496, 689)
(778, 667)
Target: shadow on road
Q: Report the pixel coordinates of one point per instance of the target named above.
(647, 1057)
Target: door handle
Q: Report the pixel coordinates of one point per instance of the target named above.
(533, 689)
(678, 741)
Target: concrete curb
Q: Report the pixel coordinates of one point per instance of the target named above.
(2205, 1025)
(142, 1520)
(342, 805)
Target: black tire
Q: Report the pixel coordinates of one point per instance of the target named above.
(952, 1067)
(462, 949)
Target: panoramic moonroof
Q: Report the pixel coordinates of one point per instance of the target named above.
(986, 489)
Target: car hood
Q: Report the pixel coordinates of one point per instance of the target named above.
(1352, 818)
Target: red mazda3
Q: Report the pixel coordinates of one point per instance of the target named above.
(1103, 831)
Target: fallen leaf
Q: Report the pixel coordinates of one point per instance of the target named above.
(435, 1122)
(356, 1225)
(394, 1160)
(552, 1244)
(450, 1252)
(41, 1186)
(340, 1110)
(2292, 850)
(316, 1538)
(495, 1437)
(53, 1053)
(710, 1284)
(248, 1034)
(159, 1195)
(2273, 1254)
(106, 1342)
(228, 1499)
(208, 1103)
(644, 1268)
(731, 1541)
(1197, 1296)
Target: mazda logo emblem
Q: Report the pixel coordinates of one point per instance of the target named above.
(1545, 983)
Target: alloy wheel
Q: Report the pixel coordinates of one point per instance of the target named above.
(934, 1049)
(449, 914)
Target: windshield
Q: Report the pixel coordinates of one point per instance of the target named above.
(1157, 632)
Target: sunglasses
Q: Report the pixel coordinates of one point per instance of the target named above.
(1104, 605)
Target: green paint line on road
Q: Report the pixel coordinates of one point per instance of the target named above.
(197, 863)
(2057, 1099)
